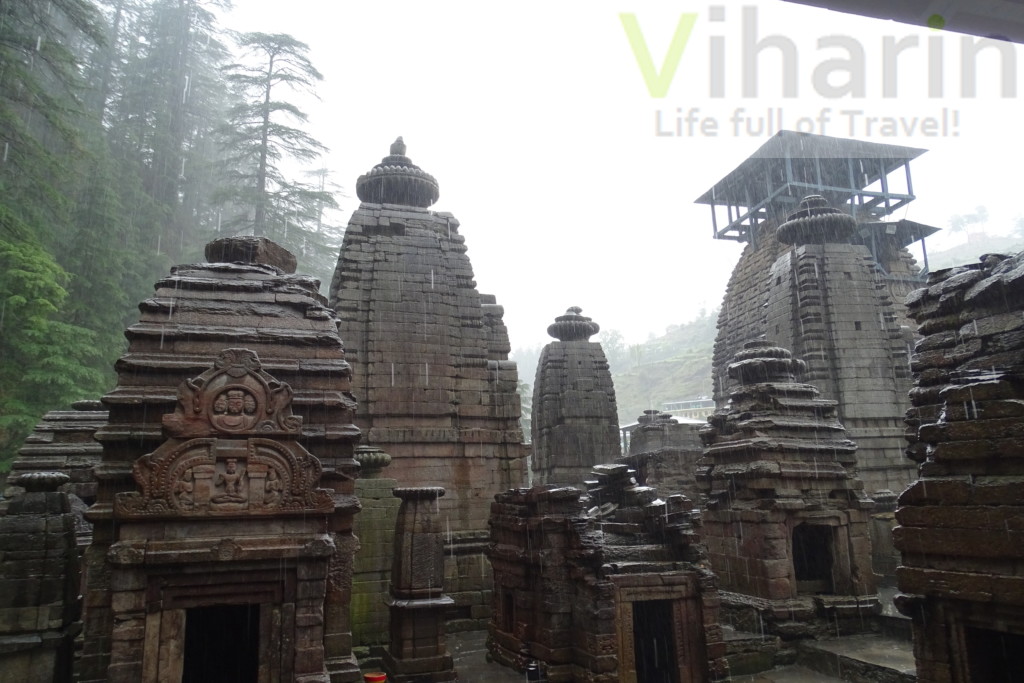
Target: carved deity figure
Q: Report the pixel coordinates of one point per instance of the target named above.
(272, 489)
(183, 489)
(231, 480)
(234, 409)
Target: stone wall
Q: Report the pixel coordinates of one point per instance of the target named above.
(40, 602)
(960, 522)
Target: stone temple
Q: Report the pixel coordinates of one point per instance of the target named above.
(236, 530)
(429, 357)
(575, 421)
(831, 286)
(222, 526)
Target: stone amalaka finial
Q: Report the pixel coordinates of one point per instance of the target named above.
(396, 180)
(573, 327)
(815, 222)
(249, 249)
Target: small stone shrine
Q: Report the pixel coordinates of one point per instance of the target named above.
(786, 520)
(40, 580)
(664, 453)
(417, 652)
(575, 421)
(607, 586)
(430, 364)
(222, 525)
(961, 524)
(62, 442)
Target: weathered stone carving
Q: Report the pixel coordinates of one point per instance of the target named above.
(208, 378)
(229, 465)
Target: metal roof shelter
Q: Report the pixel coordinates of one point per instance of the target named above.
(849, 173)
(1000, 19)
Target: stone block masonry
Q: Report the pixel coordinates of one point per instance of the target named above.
(575, 421)
(960, 528)
(430, 366)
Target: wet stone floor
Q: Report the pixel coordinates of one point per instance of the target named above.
(469, 650)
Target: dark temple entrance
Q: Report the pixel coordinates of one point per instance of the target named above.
(222, 644)
(654, 642)
(812, 558)
(994, 656)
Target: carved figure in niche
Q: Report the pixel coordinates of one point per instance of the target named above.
(231, 480)
(272, 489)
(234, 409)
(183, 489)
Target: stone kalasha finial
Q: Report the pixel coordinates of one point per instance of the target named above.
(759, 362)
(249, 249)
(573, 327)
(815, 222)
(396, 180)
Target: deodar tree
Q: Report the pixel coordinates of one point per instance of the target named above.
(262, 137)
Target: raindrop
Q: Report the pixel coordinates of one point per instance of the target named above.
(7, 147)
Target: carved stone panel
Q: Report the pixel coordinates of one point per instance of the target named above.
(243, 457)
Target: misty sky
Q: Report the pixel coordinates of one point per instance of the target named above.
(541, 130)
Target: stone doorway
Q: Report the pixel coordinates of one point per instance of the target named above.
(994, 656)
(654, 642)
(812, 559)
(221, 644)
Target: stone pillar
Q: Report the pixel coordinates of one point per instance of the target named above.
(418, 651)
(372, 569)
(39, 582)
(575, 421)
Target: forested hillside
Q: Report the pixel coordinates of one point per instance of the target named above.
(131, 133)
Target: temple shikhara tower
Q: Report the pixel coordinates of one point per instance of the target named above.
(575, 422)
(831, 287)
(222, 523)
(429, 357)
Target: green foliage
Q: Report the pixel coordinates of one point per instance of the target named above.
(262, 139)
(112, 147)
(46, 362)
(674, 366)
